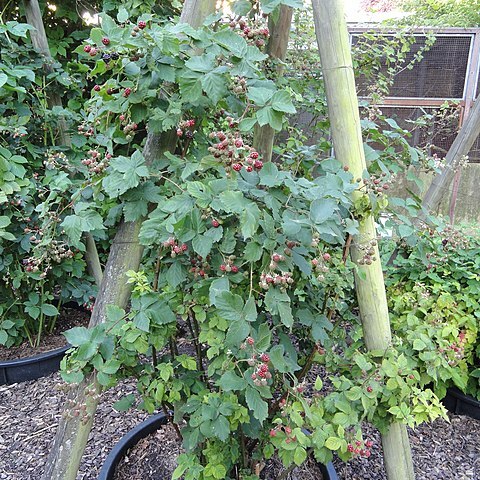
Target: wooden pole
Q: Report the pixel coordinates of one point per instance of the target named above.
(277, 49)
(125, 254)
(462, 144)
(40, 43)
(335, 56)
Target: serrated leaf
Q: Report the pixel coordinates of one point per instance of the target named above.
(281, 102)
(231, 381)
(333, 443)
(176, 274)
(256, 404)
(202, 245)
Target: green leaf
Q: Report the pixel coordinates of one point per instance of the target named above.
(419, 344)
(77, 336)
(215, 86)
(49, 310)
(249, 221)
(229, 305)
(231, 381)
(333, 443)
(218, 286)
(221, 429)
(299, 456)
(256, 404)
(201, 63)
(3, 79)
(202, 245)
(124, 403)
(268, 116)
(237, 333)
(122, 15)
(281, 102)
(176, 274)
(323, 210)
(253, 252)
(285, 312)
(260, 95)
(4, 221)
(232, 42)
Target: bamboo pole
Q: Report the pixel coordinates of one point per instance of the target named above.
(264, 136)
(126, 253)
(335, 56)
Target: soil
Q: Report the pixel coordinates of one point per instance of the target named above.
(155, 458)
(29, 414)
(68, 318)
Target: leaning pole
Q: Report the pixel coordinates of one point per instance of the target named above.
(336, 61)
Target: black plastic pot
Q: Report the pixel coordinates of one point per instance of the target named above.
(31, 368)
(149, 426)
(457, 402)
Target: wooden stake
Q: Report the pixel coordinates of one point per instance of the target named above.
(335, 55)
(277, 49)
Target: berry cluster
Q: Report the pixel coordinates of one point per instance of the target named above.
(283, 279)
(320, 266)
(175, 247)
(455, 351)
(232, 151)
(368, 250)
(85, 130)
(128, 127)
(138, 27)
(261, 373)
(95, 163)
(238, 86)
(185, 128)
(255, 34)
(229, 266)
(200, 266)
(360, 448)
(378, 184)
(89, 305)
(55, 160)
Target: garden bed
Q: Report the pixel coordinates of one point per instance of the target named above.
(29, 413)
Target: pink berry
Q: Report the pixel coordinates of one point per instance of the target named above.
(215, 224)
(350, 447)
(265, 357)
(87, 48)
(223, 267)
(273, 432)
(288, 430)
(234, 269)
(369, 444)
(105, 41)
(93, 52)
(327, 257)
(179, 132)
(238, 142)
(276, 257)
(250, 340)
(96, 88)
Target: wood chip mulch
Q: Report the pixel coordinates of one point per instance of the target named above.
(29, 414)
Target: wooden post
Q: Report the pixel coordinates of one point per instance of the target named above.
(335, 56)
(277, 49)
(40, 43)
(462, 144)
(125, 254)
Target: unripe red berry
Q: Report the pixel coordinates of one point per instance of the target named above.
(249, 168)
(237, 167)
(254, 155)
(93, 52)
(215, 224)
(201, 273)
(87, 48)
(250, 340)
(142, 24)
(288, 430)
(234, 269)
(327, 257)
(96, 88)
(350, 447)
(265, 357)
(258, 165)
(369, 444)
(369, 389)
(105, 41)
(127, 92)
(179, 132)
(238, 142)
(273, 432)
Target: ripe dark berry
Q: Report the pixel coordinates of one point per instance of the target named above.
(106, 57)
(189, 134)
(114, 56)
(237, 167)
(215, 224)
(97, 88)
(87, 48)
(142, 24)
(127, 92)
(106, 41)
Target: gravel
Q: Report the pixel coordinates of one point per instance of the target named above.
(29, 414)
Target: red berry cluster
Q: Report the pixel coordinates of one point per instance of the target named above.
(455, 351)
(185, 127)
(90, 304)
(91, 50)
(232, 151)
(360, 448)
(200, 266)
(95, 163)
(253, 33)
(283, 279)
(261, 373)
(128, 127)
(229, 265)
(137, 28)
(368, 250)
(126, 93)
(378, 184)
(175, 247)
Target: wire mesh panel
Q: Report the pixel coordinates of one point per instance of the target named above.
(441, 73)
